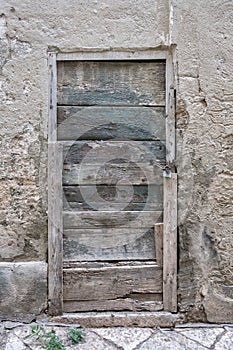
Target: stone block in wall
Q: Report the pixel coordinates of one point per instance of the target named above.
(23, 290)
(219, 307)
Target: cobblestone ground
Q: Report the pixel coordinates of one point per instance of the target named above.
(193, 337)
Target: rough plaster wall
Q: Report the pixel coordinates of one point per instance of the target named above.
(27, 30)
(203, 33)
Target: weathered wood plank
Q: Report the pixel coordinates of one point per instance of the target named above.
(105, 264)
(101, 152)
(113, 305)
(131, 198)
(158, 230)
(55, 252)
(103, 83)
(110, 174)
(111, 282)
(52, 120)
(104, 123)
(110, 244)
(170, 113)
(170, 130)
(170, 244)
(105, 219)
(113, 55)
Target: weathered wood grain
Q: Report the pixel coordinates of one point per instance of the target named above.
(113, 305)
(131, 198)
(171, 129)
(103, 83)
(110, 174)
(101, 152)
(104, 123)
(110, 244)
(170, 244)
(114, 55)
(158, 230)
(105, 219)
(55, 251)
(131, 206)
(52, 120)
(104, 264)
(111, 282)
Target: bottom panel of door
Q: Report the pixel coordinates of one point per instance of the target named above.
(102, 286)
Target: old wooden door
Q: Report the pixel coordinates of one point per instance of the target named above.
(111, 143)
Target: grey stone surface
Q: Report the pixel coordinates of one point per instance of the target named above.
(23, 290)
(204, 336)
(169, 341)
(144, 319)
(189, 338)
(126, 338)
(226, 341)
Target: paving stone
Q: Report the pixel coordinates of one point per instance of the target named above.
(226, 342)
(2, 337)
(170, 340)
(127, 338)
(204, 336)
(11, 324)
(94, 342)
(20, 333)
(91, 342)
(14, 343)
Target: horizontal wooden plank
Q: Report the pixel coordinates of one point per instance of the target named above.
(105, 219)
(119, 304)
(110, 206)
(104, 264)
(113, 55)
(110, 244)
(110, 174)
(111, 282)
(125, 198)
(104, 123)
(101, 152)
(107, 82)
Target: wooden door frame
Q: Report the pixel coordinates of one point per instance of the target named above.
(55, 224)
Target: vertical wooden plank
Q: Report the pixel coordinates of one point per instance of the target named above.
(170, 114)
(170, 198)
(52, 122)
(158, 232)
(55, 253)
(55, 229)
(170, 244)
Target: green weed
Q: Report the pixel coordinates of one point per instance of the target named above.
(50, 341)
(76, 335)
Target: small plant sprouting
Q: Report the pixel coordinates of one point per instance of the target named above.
(37, 332)
(50, 341)
(53, 342)
(76, 335)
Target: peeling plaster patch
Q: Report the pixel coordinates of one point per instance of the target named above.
(6, 95)
(20, 49)
(3, 26)
(4, 44)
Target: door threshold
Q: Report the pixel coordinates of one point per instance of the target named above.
(121, 319)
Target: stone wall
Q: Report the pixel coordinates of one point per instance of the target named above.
(202, 31)
(201, 34)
